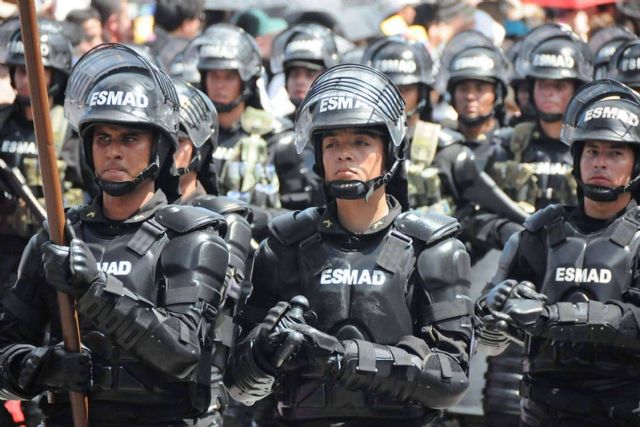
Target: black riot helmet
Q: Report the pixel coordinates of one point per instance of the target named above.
(624, 65)
(56, 52)
(470, 55)
(113, 84)
(554, 52)
(353, 96)
(604, 110)
(603, 43)
(199, 123)
(311, 46)
(405, 62)
(227, 47)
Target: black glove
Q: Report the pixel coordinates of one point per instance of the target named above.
(274, 342)
(528, 315)
(499, 294)
(315, 348)
(55, 368)
(71, 269)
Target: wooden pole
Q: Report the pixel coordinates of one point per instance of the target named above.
(51, 184)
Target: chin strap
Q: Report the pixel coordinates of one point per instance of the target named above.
(549, 117)
(117, 189)
(472, 122)
(356, 189)
(606, 194)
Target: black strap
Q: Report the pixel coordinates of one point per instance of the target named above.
(394, 247)
(145, 237)
(312, 253)
(366, 356)
(556, 232)
(447, 310)
(624, 232)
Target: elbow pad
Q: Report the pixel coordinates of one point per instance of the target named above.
(437, 381)
(137, 327)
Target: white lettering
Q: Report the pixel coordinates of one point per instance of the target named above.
(479, 61)
(119, 97)
(116, 268)
(555, 61)
(396, 65)
(583, 275)
(608, 112)
(219, 50)
(19, 147)
(309, 45)
(347, 276)
(339, 103)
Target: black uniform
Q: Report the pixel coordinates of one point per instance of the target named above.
(580, 368)
(398, 293)
(148, 327)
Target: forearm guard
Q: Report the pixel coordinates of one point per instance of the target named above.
(437, 380)
(245, 380)
(165, 342)
(614, 324)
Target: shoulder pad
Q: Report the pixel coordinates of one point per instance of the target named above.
(521, 135)
(427, 226)
(295, 226)
(224, 206)
(448, 137)
(544, 217)
(503, 135)
(182, 219)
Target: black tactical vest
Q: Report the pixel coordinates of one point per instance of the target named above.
(357, 294)
(132, 257)
(587, 267)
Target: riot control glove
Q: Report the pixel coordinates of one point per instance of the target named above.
(71, 269)
(55, 368)
(275, 342)
(528, 315)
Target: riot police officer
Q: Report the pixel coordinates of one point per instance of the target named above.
(566, 284)
(147, 277)
(386, 334)
(536, 169)
(302, 52)
(197, 139)
(475, 73)
(231, 75)
(442, 172)
(624, 65)
(19, 219)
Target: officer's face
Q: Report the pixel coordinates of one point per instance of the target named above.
(22, 81)
(299, 81)
(474, 98)
(223, 86)
(411, 96)
(606, 164)
(552, 96)
(352, 155)
(182, 157)
(120, 153)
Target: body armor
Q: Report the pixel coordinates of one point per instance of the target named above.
(127, 388)
(359, 288)
(581, 267)
(18, 149)
(534, 170)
